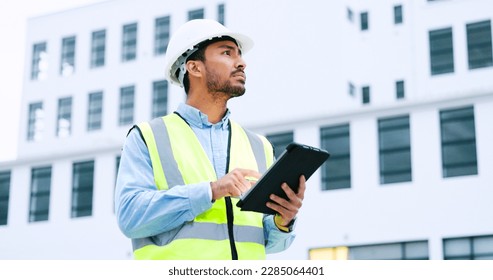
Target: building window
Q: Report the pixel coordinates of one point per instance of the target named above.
(468, 248)
(364, 21)
(399, 89)
(35, 122)
(220, 14)
(196, 14)
(395, 150)
(98, 48)
(126, 105)
(82, 188)
(441, 51)
(4, 196)
(64, 119)
(336, 172)
(161, 35)
(129, 42)
(458, 142)
(67, 63)
(398, 17)
(117, 167)
(39, 63)
(479, 48)
(417, 250)
(414, 250)
(95, 111)
(40, 194)
(159, 99)
(351, 89)
(365, 94)
(349, 14)
(280, 141)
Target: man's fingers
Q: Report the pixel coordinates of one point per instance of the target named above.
(245, 173)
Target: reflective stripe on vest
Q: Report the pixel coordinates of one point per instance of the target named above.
(178, 159)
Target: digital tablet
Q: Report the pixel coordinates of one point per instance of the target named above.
(296, 160)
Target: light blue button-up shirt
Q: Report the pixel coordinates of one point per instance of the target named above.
(144, 211)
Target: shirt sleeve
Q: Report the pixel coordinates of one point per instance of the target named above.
(141, 209)
(275, 239)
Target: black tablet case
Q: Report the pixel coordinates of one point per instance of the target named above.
(296, 160)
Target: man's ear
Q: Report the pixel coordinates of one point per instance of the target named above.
(194, 68)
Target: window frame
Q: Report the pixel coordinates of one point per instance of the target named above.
(339, 157)
(39, 212)
(79, 177)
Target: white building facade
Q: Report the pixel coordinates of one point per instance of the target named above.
(399, 92)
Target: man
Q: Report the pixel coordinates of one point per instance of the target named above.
(180, 175)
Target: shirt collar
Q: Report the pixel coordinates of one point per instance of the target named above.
(198, 119)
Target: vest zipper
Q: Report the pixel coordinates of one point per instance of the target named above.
(229, 207)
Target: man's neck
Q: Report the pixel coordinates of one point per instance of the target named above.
(213, 105)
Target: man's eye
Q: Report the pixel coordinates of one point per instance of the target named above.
(227, 52)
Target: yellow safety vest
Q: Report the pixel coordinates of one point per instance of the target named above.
(223, 231)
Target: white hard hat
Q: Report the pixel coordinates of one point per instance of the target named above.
(183, 43)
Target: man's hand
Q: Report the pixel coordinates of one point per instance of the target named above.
(234, 183)
(288, 209)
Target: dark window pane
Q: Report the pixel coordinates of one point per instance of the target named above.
(161, 35)
(479, 47)
(82, 189)
(458, 138)
(39, 62)
(129, 42)
(399, 89)
(336, 173)
(159, 99)
(126, 105)
(441, 51)
(35, 122)
(67, 62)
(220, 14)
(364, 21)
(4, 196)
(64, 119)
(365, 95)
(280, 141)
(95, 111)
(395, 150)
(98, 48)
(196, 14)
(398, 17)
(40, 194)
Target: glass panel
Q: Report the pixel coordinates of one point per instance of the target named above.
(64, 117)
(457, 247)
(364, 21)
(67, 64)
(39, 63)
(40, 194)
(280, 141)
(82, 188)
(129, 42)
(336, 172)
(159, 99)
(95, 111)
(483, 245)
(126, 105)
(98, 48)
(441, 51)
(416, 250)
(479, 48)
(220, 14)
(161, 36)
(376, 252)
(196, 14)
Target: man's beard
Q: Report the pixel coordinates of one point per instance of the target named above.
(214, 85)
